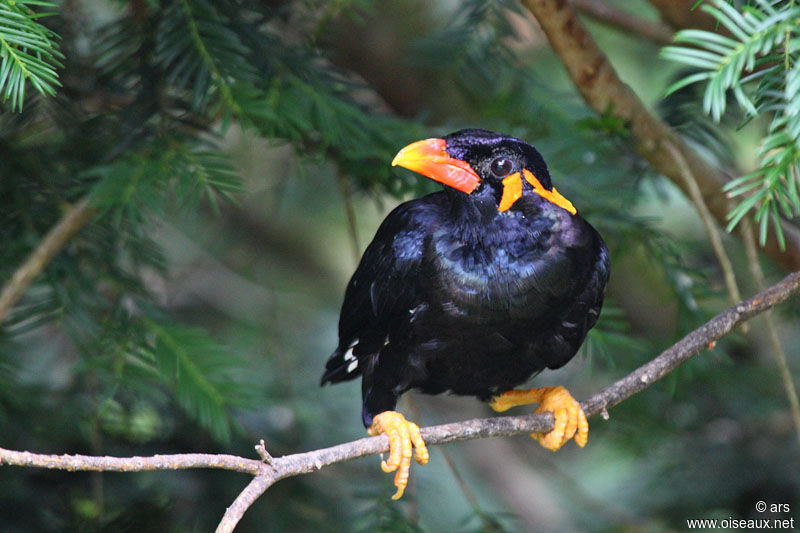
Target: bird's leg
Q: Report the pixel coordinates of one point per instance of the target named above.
(402, 436)
(570, 420)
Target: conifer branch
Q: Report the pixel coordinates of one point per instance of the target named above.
(28, 51)
(208, 59)
(266, 474)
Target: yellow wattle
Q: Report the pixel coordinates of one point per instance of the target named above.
(512, 191)
(551, 196)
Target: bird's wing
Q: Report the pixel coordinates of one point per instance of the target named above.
(582, 313)
(382, 289)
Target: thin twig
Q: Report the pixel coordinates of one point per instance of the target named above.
(503, 426)
(772, 330)
(708, 221)
(261, 450)
(624, 20)
(72, 221)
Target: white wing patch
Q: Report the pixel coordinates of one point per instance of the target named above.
(351, 359)
(348, 356)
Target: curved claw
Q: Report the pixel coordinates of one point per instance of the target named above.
(570, 420)
(403, 435)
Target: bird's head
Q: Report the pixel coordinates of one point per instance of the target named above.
(481, 161)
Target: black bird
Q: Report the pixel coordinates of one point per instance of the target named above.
(472, 290)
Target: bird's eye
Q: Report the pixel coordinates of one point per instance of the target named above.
(501, 167)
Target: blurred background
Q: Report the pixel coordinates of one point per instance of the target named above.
(235, 157)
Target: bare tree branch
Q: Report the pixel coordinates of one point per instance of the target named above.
(267, 473)
(90, 463)
(72, 221)
(626, 21)
(257, 486)
(605, 92)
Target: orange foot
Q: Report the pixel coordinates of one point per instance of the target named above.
(402, 435)
(570, 421)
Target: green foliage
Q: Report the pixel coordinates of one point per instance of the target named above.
(759, 64)
(201, 53)
(474, 45)
(28, 51)
(140, 182)
(313, 114)
(682, 109)
(204, 375)
(139, 132)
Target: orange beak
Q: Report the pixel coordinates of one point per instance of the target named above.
(429, 158)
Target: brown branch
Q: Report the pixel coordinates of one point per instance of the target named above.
(605, 92)
(680, 15)
(58, 236)
(302, 463)
(613, 16)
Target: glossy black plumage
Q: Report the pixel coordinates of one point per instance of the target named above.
(454, 295)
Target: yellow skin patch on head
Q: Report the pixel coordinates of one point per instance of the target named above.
(402, 436)
(570, 420)
(551, 196)
(512, 191)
